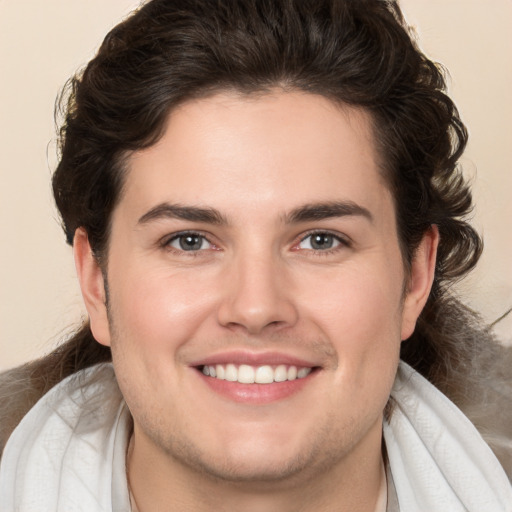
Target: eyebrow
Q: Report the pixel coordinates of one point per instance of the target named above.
(177, 211)
(306, 213)
(320, 211)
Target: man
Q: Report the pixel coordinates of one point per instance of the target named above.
(266, 215)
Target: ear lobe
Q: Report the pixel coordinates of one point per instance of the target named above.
(92, 285)
(420, 280)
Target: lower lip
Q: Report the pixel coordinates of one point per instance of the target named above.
(256, 393)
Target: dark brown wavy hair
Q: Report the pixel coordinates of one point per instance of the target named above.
(355, 52)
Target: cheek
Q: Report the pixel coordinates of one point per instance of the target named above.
(159, 309)
(357, 295)
(360, 313)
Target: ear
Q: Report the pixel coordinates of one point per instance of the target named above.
(420, 280)
(92, 285)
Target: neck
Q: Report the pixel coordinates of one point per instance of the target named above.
(160, 482)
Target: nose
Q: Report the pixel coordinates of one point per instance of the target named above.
(258, 297)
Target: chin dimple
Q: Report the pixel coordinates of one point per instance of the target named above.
(246, 374)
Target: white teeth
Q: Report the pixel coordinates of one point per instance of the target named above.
(292, 373)
(231, 373)
(246, 374)
(303, 372)
(221, 372)
(264, 375)
(281, 373)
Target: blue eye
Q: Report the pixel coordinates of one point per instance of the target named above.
(320, 242)
(189, 242)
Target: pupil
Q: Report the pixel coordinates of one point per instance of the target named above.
(322, 241)
(190, 242)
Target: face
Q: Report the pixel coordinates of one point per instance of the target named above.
(257, 296)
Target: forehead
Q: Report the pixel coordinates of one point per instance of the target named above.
(270, 151)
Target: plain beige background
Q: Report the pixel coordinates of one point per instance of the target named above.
(43, 42)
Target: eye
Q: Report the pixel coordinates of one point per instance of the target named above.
(189, 242)
(320, 242)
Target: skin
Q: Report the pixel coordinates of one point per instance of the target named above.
(256, 285)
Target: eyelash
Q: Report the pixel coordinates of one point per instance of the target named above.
(343, 242)
(166, 242)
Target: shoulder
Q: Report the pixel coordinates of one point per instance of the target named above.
(22, 388)
(485, 397)
(72, 441)
(19, 391)
(431, 444)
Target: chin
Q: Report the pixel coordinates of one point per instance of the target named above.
(258, 459)
(257, 469)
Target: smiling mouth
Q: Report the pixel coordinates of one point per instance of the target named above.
(247, 374)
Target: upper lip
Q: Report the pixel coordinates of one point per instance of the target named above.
(238, 357)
